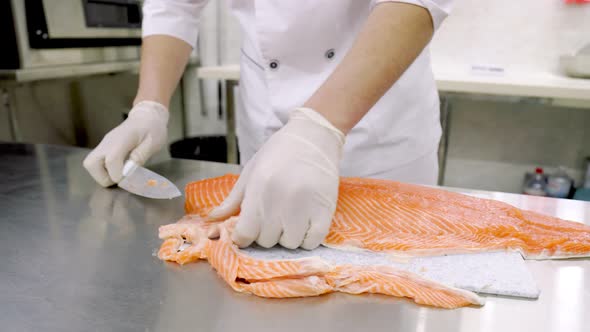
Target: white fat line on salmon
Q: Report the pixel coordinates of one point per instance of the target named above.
(314, 277)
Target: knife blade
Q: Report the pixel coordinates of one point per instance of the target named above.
(143, 182)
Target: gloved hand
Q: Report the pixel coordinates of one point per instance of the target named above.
(288, 191)
(141, 135)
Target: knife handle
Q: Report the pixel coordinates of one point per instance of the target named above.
(129, 167)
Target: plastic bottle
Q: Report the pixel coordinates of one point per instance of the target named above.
(536, 184)
(559, 184)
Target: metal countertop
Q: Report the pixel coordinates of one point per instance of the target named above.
(77, 257)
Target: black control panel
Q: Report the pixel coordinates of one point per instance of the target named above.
(112, 13)
(99, 14)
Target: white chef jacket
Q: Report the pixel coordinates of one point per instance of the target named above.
(289, 49)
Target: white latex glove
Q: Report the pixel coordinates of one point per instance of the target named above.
(288, 191)
(140, 136)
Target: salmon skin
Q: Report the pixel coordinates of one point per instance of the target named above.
(309, 276)
(378, 216)
(382, 215)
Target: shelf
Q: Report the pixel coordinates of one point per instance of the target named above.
(543, 85)
(61, 72)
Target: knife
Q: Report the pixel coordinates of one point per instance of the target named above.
(143, 182)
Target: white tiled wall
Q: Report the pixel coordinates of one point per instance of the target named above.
(522, 35)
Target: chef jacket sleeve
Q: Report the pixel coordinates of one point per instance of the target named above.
(439, 9)
(176, 18)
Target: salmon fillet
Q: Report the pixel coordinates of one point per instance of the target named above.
(378, 216)
(310, 276)
(383, 215)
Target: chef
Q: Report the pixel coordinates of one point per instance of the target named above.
(328, 88)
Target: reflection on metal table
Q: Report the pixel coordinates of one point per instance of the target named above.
(77, 257)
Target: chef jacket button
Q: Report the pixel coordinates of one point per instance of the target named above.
(330, 54)
(274, 64)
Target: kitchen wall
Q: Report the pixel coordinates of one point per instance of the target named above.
(493, 143)
(524, 36)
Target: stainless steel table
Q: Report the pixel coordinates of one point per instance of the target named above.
(76, 257)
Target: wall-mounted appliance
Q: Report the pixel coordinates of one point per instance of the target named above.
(40, 33)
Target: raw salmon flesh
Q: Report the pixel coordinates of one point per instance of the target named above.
(373, 215)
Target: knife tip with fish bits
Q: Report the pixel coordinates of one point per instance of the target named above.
(143, 182)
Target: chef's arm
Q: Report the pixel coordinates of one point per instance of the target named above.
(169, 30)
(163, 59)
(393, 36)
